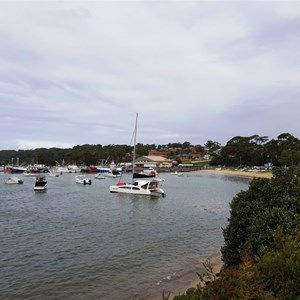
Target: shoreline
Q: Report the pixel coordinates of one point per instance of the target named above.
(240, 173)
(216, 260)
(216, 264)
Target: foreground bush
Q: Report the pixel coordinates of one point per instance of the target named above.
(275, 274)
(256, 213)
(261, 259)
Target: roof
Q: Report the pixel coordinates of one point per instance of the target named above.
(153, 158)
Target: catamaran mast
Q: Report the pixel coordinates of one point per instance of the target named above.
(134, 143)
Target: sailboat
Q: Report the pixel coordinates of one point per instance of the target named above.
(147, 187)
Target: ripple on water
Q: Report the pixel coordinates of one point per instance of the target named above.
(81, 242)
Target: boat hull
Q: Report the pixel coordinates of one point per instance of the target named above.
(17, 170)
(40, 188)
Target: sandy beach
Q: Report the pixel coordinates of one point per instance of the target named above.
(249, 174)
(216, 264)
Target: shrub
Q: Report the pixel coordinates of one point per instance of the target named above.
(257, 212)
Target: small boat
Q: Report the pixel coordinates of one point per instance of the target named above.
(40, 183)
(51, 174)
(83, 179)
(29, 173)
(99, 176)
(108, 172)
(176, 173)
(13, 180)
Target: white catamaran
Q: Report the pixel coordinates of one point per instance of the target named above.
(148, 187)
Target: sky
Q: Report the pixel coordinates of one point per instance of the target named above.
(77, 72)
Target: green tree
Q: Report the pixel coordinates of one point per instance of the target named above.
(242, 151)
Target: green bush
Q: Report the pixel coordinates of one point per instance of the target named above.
(261, 251)
(257, 212)
(273, 275)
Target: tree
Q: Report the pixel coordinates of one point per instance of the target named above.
(186, 145)
(290, 157)
(243, 151)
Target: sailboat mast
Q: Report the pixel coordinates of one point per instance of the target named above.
(134, 143)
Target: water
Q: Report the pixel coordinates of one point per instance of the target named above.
(82, 242)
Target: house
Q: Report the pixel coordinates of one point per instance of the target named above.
(153, 161)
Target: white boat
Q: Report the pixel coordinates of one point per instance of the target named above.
(51, 174)
(73, 169)
(99, 176)
(62, 170)
(148, 187)
(176, 173)
(139, 187)
(13, 180)
(28, 173)
(83, 179)
(40, 183)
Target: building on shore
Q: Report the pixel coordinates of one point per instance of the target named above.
(153, 161)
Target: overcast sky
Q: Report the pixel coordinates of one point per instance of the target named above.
(74, 73)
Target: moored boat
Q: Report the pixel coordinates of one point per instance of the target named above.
(108, 172)
(83, 179)
(99, 176)
(52, 174)
(176, 173)
(29, 173)
(139, 187)
(40, 183)
(73, 169)
(13, 180)
(17, 170)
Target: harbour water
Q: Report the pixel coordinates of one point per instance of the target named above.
(82, 242)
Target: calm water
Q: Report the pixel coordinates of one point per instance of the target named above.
(82, 242)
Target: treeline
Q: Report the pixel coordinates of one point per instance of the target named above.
(89, 154)
(261, 251)
(239, 151)
(80, 155)
(258, 150)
